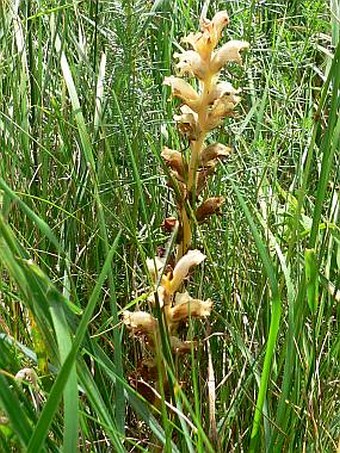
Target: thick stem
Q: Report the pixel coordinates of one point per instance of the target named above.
(186, 233)
(196, 148)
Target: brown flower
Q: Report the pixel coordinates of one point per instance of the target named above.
(209, 207)
(181, 347)
(187, 122)
(174, 160)
(213, 152)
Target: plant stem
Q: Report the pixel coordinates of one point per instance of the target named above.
(196, 148)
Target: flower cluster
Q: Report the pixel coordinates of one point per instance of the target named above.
(204, 107)
(177, 306)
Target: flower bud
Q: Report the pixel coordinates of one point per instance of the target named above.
(212, 29)
(169, 224)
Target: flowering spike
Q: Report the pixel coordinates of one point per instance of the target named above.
(202, 110)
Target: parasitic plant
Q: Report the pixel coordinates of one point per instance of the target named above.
(204, 107)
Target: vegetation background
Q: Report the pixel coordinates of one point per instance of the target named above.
(83, 118)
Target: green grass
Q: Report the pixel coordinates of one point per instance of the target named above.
(83, 118)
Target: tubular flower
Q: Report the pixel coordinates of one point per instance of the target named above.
(154, 266)
(181, 270)
(186, 307)
(190, 63)
(183, 90)
(174, 160)
(188, 122)
(140, 322)
(228, 53)
(212, 152)
(208, 208)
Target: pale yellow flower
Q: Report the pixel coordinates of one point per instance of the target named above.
(140, 322)
(229, 52)
(223, 89)
(154, 266)
(186, 306)
(221, 108)
(183, 90)
(160, 292)
(191, 258)
(190, 63)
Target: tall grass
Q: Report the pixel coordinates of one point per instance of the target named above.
(83, 118)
